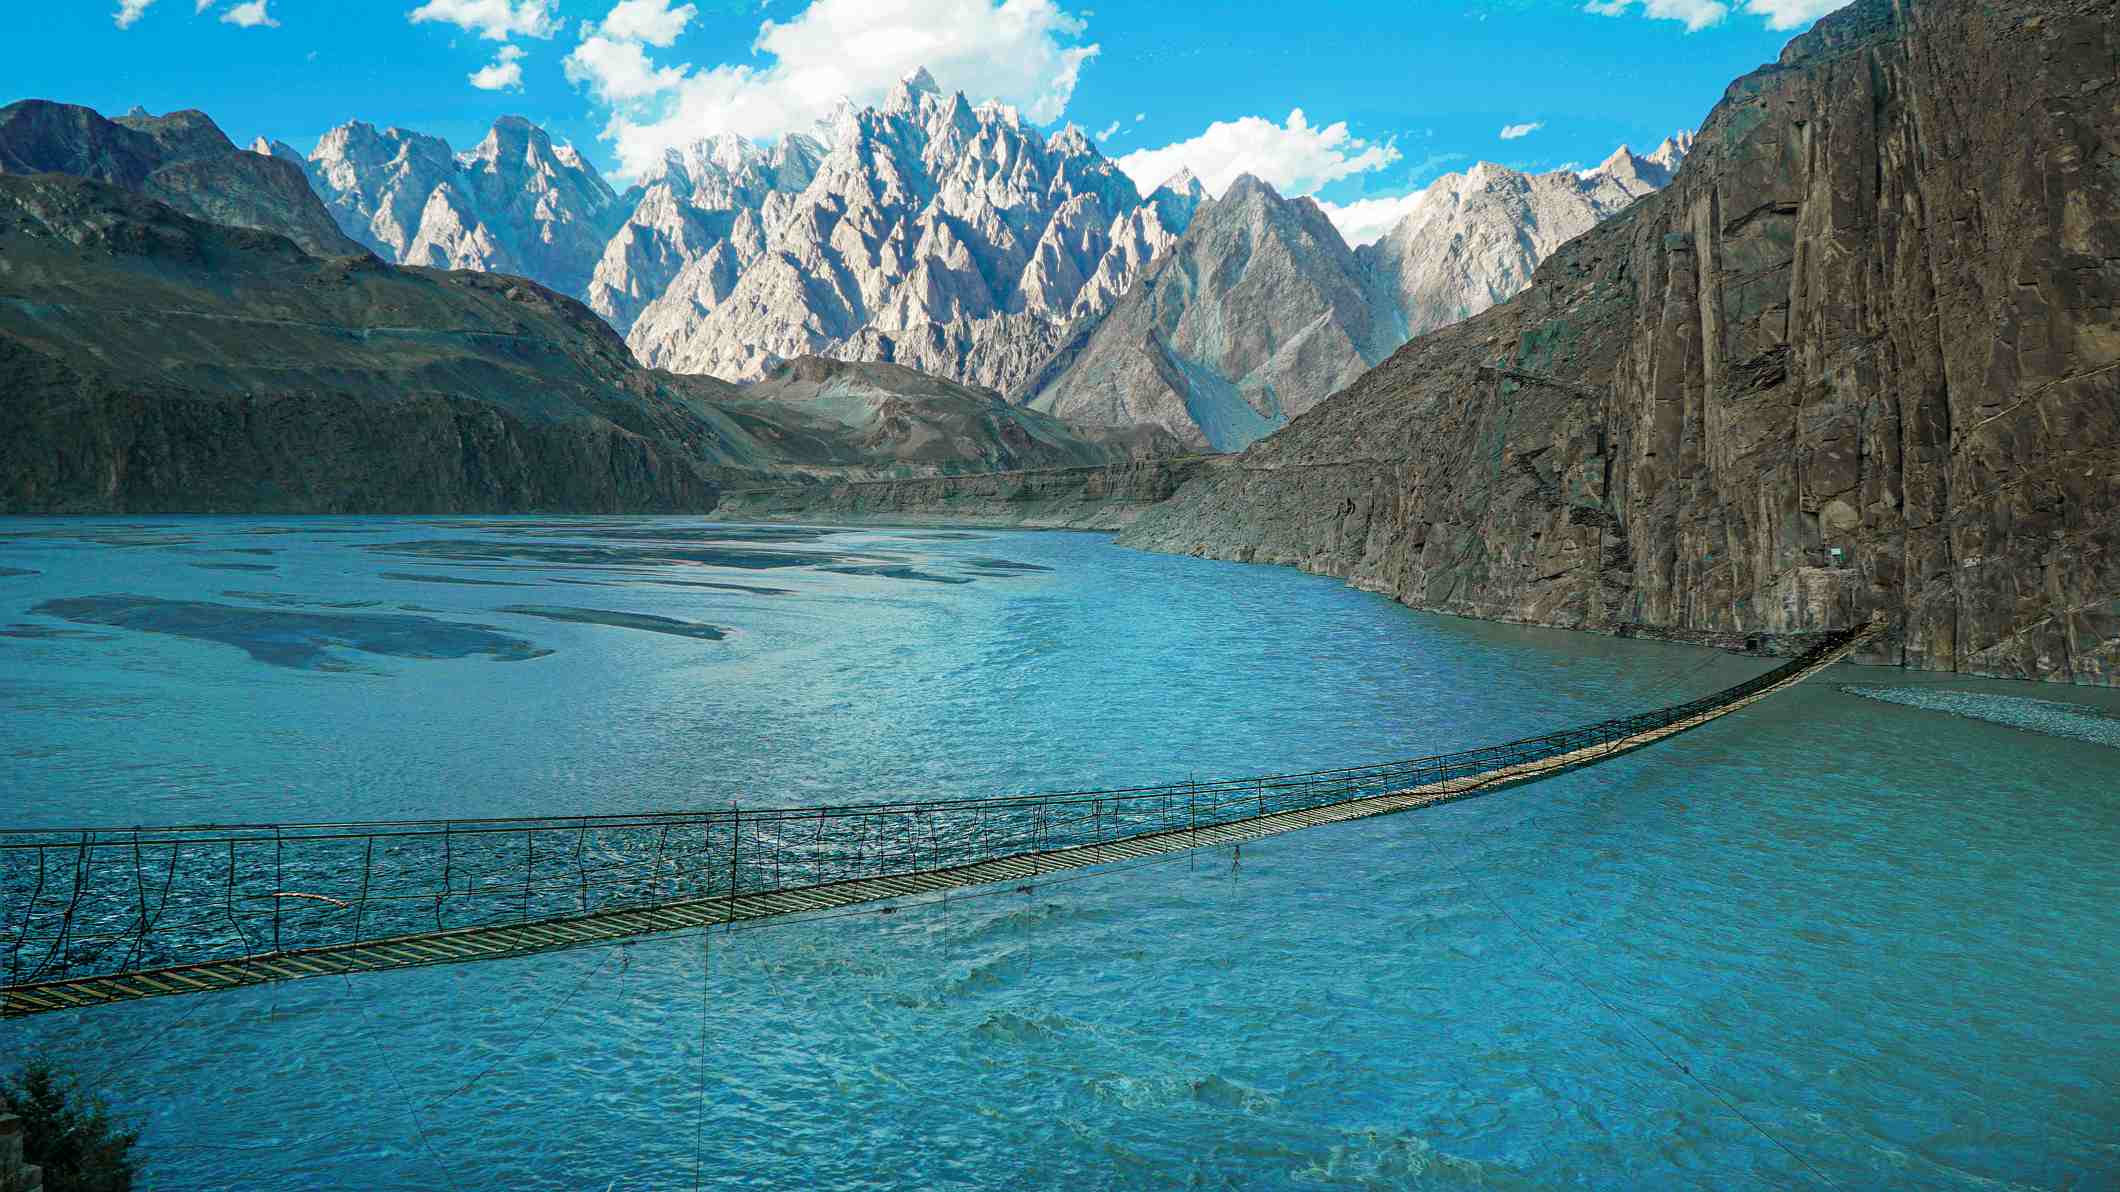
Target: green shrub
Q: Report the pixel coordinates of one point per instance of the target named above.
(69, 1132)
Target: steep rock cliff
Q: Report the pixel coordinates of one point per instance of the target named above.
(1863, 354)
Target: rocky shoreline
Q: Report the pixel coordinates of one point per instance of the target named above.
(1106, 497)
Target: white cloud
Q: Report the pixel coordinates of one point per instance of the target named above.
(1513, 131)
(494, 20)
(201, 7)
(1788, 14)
(1140, 116)
(1295, 158)
(1699, 14)
(1027, 53)
(1365, 220)
(618, 72)
(651, 21)
(504, 73)
(1109, 129)
(249, 16)
(130, 11)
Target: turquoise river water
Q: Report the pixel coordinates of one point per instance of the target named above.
(1863, 935)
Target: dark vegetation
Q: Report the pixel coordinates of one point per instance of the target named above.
(68, 1131)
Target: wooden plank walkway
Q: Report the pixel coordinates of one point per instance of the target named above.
(546, 935)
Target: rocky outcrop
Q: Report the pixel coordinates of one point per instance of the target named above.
(1258, 312)
(868, 418)
(1473, 239)
(516, 203)
(1863, 354)
(952, 239)
(1106, 497)
(182, 158)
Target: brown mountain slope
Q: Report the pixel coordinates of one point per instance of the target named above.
(181, 158)
(150, 361)
(1864, 354)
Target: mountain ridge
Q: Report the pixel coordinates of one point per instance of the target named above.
(948, 237)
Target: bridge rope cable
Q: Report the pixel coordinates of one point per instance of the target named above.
(1619, 1016)
(537, 1029)
(323, 889)
(1569, 974)
(412, 1108)
(945, 899)
(699, 1107)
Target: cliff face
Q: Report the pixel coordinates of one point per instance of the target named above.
(1863, 354)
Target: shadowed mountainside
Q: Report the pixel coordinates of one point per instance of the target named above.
(150, 361)
(182, 159)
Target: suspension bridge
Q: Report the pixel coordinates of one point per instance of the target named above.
(90, 917)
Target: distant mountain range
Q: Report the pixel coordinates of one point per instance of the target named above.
(959, 241)
(184, 328)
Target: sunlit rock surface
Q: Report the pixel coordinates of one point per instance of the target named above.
(952, 239)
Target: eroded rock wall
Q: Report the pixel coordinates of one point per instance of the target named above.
(1863, 354)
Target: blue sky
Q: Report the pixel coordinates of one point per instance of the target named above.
(1391, 93)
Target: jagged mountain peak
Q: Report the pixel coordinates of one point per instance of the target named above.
(1250, 188)
(1177, 200)
(1184, 182)
(516, 202)
(915, 92)
(932, 233)
(280, 149)
(994, 109)
(511, 137)
(1071, 141)
(1255, 313)
(1472, 239)
(1673, 150)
